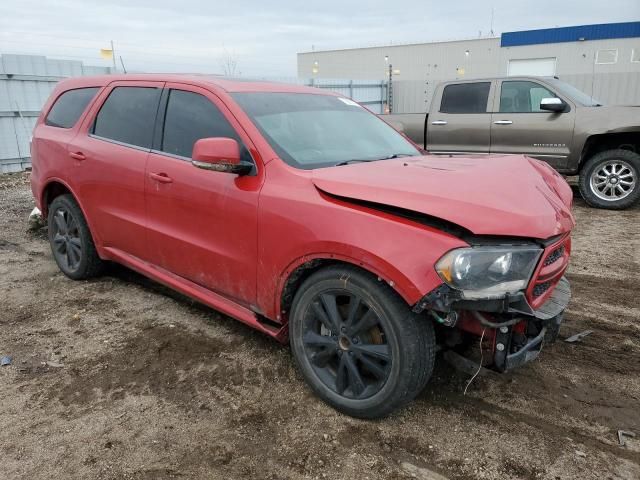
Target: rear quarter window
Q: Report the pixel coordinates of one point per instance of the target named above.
(67, 109)
(465, 98)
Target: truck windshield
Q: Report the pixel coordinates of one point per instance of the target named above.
(575, 94)
(312, 131)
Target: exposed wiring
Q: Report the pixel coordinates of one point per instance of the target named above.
(479, 366)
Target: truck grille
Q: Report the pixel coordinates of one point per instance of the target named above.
(555, 260)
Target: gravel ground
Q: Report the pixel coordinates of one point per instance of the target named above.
(120, 378)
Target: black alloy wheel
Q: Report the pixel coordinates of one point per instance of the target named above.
(346, 344)
(71, 241)
(67, 245)
(358, 344)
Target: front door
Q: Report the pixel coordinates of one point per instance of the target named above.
(202, 224)
(462, 123)
(520, 126)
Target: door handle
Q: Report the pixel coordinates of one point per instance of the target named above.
(77, 155)
(503, 122)
(161, 177)
(439, 122)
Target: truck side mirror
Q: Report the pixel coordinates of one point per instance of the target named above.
(553, 104)
(220, 155)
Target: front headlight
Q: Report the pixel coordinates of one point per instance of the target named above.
(488, 272)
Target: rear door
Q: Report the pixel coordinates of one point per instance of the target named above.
(463, 122)
(110, 154)
(520, 126)
(202, 223)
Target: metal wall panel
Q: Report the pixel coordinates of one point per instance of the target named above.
(25, 84)
(371, 93)
(571, 34)
(423, 66)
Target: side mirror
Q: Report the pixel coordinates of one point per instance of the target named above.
(220, 155)
(553, 104)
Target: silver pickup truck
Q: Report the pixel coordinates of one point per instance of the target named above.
(541, 117)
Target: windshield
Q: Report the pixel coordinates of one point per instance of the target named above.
(575, 94)
(311, 131)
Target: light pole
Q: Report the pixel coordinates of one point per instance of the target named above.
(389, 85)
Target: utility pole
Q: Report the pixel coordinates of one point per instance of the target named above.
(113, 57)
(390, 90)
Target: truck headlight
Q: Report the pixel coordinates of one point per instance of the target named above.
(488, 272)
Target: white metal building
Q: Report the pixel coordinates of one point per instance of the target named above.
(25, 84)
(601, 60)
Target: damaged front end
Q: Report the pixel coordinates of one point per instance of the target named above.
(515, 308)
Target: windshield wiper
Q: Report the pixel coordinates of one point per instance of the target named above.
(360, 160)
(356, 160)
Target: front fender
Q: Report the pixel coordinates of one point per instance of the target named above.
(358, 257)
(297, 224)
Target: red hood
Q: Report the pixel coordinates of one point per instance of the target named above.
(508, 195)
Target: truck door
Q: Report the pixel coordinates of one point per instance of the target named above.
(463, 122)
(519, 125)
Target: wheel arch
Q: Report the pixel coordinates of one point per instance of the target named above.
(300, 269)
(594, 144)
(54, 187)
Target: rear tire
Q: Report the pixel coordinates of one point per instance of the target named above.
(611, 179)
(71, 241)
(357, 343)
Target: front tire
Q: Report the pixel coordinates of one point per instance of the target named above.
(357, 343)
(71, 242)
(611, 179)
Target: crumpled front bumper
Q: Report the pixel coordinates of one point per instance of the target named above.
(447, 299)
(512, 347)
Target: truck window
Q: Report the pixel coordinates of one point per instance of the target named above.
(67, 109)
(190, 117)
(522, 97)
(465, 98)
(128, 115)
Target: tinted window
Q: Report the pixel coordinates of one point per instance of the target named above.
(522, 97)
(465, 98)
(190, 117)
(69, 106)
(128, 115)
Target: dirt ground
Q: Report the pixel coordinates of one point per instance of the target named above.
(119, 378)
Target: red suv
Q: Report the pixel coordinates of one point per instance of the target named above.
(300, 213)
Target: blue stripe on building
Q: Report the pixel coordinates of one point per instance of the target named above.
(571, 34)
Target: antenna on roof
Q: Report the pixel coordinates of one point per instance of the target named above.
(492, 13)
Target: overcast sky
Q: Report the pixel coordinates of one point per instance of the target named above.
(263, 37)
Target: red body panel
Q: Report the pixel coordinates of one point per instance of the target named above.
(232, 241)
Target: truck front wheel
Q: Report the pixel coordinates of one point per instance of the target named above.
(357, 344)
(611, 179)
